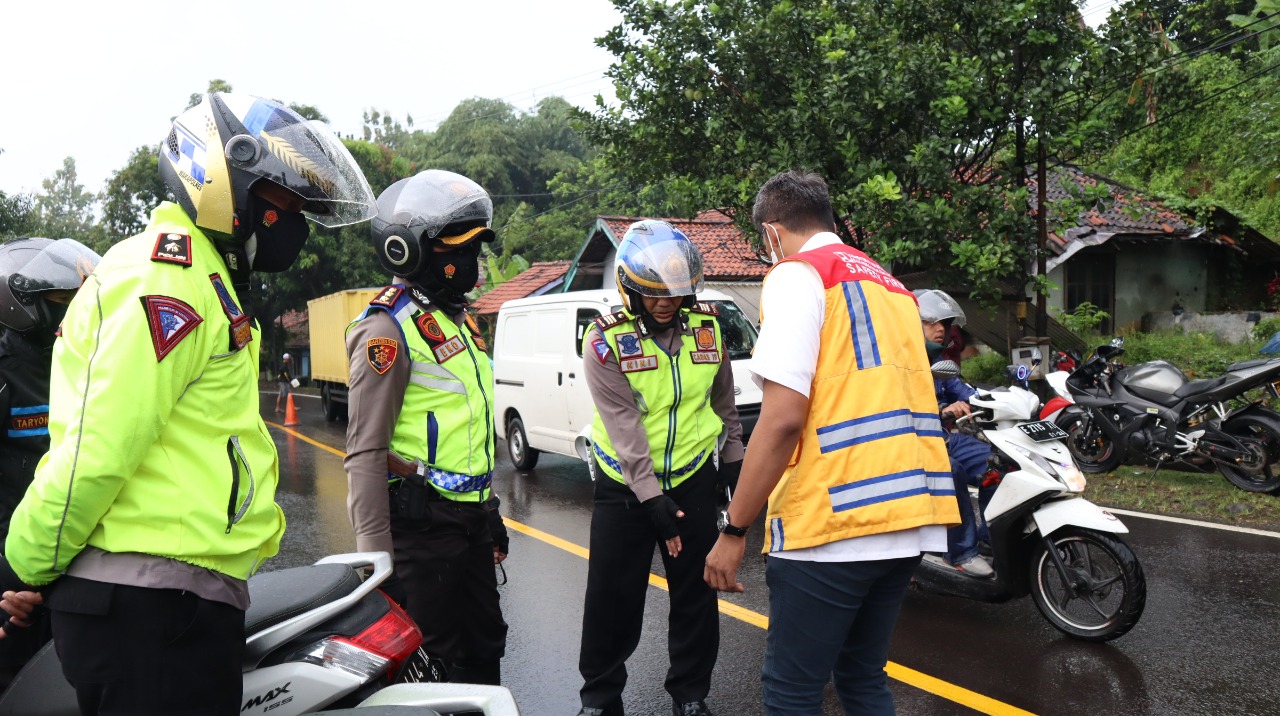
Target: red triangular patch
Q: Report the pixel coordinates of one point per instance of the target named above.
(170, 320)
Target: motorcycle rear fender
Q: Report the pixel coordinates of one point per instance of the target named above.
(448, 698)
(1075, 512)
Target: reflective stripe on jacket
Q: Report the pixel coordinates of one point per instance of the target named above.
(871, 458)
(673, 396)
(156, 445)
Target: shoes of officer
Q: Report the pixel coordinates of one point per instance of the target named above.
(692, 708)
(592, 711)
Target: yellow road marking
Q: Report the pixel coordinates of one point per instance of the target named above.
(920, 680)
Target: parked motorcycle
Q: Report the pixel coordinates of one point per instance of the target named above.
(1151, 412)
(315, 637)
(1046, 539)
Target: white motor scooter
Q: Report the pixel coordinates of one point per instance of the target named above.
(1046, 539)
(316, 637)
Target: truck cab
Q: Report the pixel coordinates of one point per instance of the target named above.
(541, 400)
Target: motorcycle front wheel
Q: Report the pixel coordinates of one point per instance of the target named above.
(1093, 449)
(1260, 436)
(1103, 593)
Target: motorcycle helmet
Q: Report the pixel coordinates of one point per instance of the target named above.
(217, 150)
(938, 306)
(434, 205)
(656, 259)
(32, 268)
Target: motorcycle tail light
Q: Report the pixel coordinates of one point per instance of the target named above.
(381, 649)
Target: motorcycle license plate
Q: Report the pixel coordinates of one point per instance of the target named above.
(419, 669)
(1043, 431)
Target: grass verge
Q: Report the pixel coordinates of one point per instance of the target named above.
(1201, 496)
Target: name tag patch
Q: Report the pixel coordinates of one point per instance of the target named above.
(705, 356)
(381, 353)
(241, 332)
(448, 349)
(632, 365)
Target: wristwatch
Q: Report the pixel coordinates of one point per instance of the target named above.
(727, 527)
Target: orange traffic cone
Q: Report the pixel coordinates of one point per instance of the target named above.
(290, 412)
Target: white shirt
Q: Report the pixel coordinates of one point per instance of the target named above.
(794, 305)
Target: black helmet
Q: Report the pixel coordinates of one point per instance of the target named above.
(216, 150)
(657, 259)
(29, 270)
(433, 205)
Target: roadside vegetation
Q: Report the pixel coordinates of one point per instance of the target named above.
(1200, 496)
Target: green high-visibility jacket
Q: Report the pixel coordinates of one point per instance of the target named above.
(156, 445)
(673, 394)
(446, 422)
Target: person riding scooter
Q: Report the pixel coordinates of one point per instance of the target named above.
(938, 313)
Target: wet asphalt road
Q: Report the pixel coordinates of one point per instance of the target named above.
(1206, 643)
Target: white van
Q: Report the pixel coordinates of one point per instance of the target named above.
(541, 400)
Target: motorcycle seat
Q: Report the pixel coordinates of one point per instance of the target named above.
(1196, 387)
(275, 597)
(1245, 365)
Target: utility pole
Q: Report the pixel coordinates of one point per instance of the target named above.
(1042, 231)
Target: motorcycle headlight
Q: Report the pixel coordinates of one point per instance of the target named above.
(1067, 472)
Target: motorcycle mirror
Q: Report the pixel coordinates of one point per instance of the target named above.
(945, 369)
(1117, 342)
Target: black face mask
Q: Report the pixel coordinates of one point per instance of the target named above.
(277, 236)
(449, 275)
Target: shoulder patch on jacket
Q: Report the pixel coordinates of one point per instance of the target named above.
(387, 297)
(477, 337)
(171, 320)
(172, 249)
(611, 320)
(381, 353)
(429, 328)
(705, 307)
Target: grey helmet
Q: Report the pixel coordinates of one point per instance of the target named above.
(32, 267)
(937, 306)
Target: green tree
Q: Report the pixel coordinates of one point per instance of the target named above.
(18, 216)
(214, 86)
(131, 193)
(65, 209)
(922, 115)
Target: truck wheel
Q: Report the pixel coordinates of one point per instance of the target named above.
(522, 456)
(332, 408)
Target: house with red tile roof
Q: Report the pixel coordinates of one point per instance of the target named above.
(542, 277)
(1134, 256)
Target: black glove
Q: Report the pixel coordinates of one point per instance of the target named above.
(727, 478)
(662, 512)
(497, 528)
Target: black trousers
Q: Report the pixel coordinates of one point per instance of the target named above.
(444, 558)
(622, 543)
(17, 648)
(134, 650)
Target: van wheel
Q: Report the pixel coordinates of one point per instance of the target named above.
(522, 456)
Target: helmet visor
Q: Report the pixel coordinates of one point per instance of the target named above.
(654, 266)
(937, 306)
(319, 168)
(60, 266)
(432, 200)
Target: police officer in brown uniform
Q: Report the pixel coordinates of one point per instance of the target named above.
(420, 443)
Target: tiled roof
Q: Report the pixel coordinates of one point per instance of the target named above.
(726, 253)
(522, 284)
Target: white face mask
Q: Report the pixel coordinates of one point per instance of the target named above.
(774, 256)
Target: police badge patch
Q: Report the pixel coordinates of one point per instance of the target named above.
(430, 329)
(705, 337)
(170, 320)
(629, 345)
(173, 249)
(382, 353)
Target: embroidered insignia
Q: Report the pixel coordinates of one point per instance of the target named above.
(705, 356)
(423, 299)
(241, 331)
(173, 249)
(449, 271)
(704, 307)
(448, 349)
(629, 345)
(632, 365)
(476, 337)
(269, 218)
(611, 320)
(430, 329)
(382, 353)
(387, 297)
(705, 337)
(171, 320)
(601, 348)
(224, 297)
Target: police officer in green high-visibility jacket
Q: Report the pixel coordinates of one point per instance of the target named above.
(420, 441)
(667, 441)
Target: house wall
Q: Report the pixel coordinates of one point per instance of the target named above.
(1149, 278)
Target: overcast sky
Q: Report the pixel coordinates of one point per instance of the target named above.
(95, 80)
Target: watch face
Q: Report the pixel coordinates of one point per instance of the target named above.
(722, 519)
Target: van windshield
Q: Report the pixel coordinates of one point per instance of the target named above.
(739, 333)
